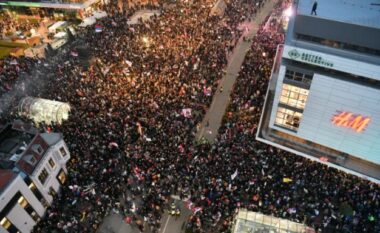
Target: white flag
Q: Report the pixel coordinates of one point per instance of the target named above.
(233, 176)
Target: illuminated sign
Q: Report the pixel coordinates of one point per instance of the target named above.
(309, 57)
(350, 120)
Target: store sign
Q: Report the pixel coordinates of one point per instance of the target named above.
(310, 58)
(350, 120)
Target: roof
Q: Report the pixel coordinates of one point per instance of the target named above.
(51, 138)
(22, 146)
(363, 12)
(248, 221)
(6, 176)
(31, 157)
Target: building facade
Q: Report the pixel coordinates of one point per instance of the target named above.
(33, 167)
(324, 93)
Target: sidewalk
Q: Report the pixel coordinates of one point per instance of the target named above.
(213, 118)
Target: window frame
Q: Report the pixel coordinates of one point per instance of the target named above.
(45, 176)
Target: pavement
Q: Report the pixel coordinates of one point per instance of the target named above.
(213, 118)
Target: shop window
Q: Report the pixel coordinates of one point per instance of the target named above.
(288, 118)
(63, 151)
(51, 163)
(294, 96)
(43, 176)
(61, 177)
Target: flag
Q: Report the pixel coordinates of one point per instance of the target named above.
(207, 91)
(98, 28)
(292, 210)
(186, 112)
(129, 63)
(14, 62)
(234, 175)
(287, 180)
(113, 144)
(139, 128)
(197, 209)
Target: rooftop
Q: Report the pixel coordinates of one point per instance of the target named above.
(23, 147)
(360, 12)
(248, 221)
(6, 176)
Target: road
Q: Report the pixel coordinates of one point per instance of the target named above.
(169, 224)
(213, 118)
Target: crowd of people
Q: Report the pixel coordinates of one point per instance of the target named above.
(134, 114)
(9, 25)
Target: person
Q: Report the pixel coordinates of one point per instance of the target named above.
(314, 8)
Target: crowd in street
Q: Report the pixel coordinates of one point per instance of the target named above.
(11, 69)
(9, 25)
(134, 114)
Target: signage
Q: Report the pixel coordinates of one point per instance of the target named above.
(350, 120)
(310, 58)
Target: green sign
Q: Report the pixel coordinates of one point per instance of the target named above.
(308, 57)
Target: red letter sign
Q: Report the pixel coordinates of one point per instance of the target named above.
(349, 120)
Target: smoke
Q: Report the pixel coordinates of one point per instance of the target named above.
(30, 83)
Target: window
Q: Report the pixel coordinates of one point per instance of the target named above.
(288, 118)
(35, 216)
(43, 176)
(52, 163)
(298, 76)
(30, 159)
(63, 151)
(294, 96)
(38, 149)
(28, 208)
(339, 44)
(36, 192)
(61, 177)
(23, 202)
(5, 223)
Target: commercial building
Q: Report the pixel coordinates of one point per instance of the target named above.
(323, 97)
(32, 169)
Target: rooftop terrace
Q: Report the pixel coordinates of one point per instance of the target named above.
(360, 12)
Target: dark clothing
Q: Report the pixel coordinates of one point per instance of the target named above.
(314, 9)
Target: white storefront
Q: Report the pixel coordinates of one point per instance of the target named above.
(338, 114)
(321, 104)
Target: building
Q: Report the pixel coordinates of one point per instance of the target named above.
(252, 222)
(56, 8)
(32, 169)
(323, 97)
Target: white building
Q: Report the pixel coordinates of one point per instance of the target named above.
(324, 94)
(32, 169)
